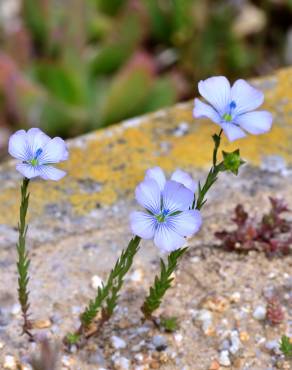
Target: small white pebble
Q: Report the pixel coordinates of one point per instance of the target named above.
(2, 345)
(205, 317)
(121, 363)
(118, 343)
(224, 359)
(159, 342)
(235, 342)
(9, 363)
(178, 337)
(76, 310)
(193, 313)
(235, 297)
(273, 345)
(66, 361)
(272, 275)
(26, 367)
(259, 313)
(96, 282)
(137, 347)
(16, 308)
(139, 357)
(142, 330)
(195, 259)
(137, 276)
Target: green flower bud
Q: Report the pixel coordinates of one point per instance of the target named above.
(232, 161)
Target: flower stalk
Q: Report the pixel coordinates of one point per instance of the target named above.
(212, 175)
(23, 260)
(163, 282)
(108, 294)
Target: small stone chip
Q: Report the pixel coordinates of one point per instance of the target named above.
(16, 309)
(42, 324)
(235, 342)
(137, 276)
(235, 297)
(259, 313)
(244, 336)
(214, 365)
(224, 359)
(159, 342)
(121, 363)
(118, 343)
(10, 363)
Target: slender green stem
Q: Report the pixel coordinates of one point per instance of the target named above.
(23, 260)
(163, 282)
(217, 141)
(107, 295)
(212, 175)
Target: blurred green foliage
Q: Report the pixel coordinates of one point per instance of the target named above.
(74, 66)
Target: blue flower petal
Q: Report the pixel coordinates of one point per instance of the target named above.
(232, 131)
(28, 170)
(143, 224)
(36, 139)
(186, 223)
(167, 239)
(54, 151)
(156, 174)
(205, 110)
(185, 179)
(246, 97)
(51, 173)
(176, 197)
(18, 146)
(148, 195)
(255, 123)
(216, 90)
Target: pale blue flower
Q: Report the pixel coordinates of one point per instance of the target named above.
(168, 218)
(37, 153)
(233, 108)
(178, 175)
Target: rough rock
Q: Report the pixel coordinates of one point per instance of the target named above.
(78, 227)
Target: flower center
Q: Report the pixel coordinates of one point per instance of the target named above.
(34, 162)
(228, 115)
(163, 215)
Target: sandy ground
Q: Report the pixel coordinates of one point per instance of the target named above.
(214, 295)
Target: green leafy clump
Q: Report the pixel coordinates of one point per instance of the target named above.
(108, 294)
(161, 283)
(170, 324)
(72, 338)
(286, 346)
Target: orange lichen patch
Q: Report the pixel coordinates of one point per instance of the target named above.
(107, 165)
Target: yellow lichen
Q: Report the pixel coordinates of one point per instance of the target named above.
(117, 157)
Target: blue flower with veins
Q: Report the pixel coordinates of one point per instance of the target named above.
(37, 153)
(168, 217)
(233, 108)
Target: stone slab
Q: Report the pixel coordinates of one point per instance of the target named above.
(105, 166)
(78, 227)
